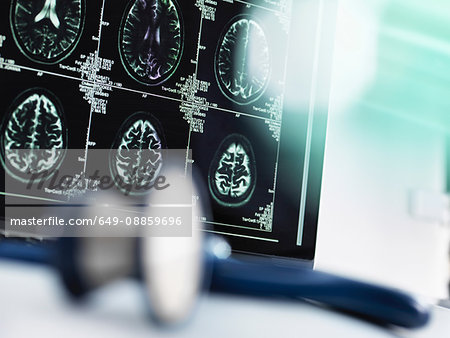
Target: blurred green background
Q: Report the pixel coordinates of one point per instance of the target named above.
(413, 63)
(389, 120)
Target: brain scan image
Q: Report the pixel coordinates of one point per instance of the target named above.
(151, 40)
(136, 157)
(232, 173)
(242, 61)
(47, 31)
(33, 134)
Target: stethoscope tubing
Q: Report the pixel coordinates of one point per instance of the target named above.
(255, 278)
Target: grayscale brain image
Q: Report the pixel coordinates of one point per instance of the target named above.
(151, 40)
(232, 173)
(47, 30)
(35, 122)
(128, 89)
(136, 156)
(242, 62)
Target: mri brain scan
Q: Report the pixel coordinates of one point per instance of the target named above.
(242, 62)
(151, 40)
(47, 31)
(33, 134)
(232, 173)
(136, 157)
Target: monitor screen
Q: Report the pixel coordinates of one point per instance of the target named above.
(242, 86)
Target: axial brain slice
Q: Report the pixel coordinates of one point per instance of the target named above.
(151, 40)
(35, 123)
(242, 61)
(138, 159)
(47, 30)
(232, 173)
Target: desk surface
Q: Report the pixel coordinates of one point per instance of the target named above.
(33, 304)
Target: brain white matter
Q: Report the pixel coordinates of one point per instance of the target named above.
(232, 173)
(47, 30)
(150, 40)
(34, 123)
(232, 177)
(243, 61)
(138, 159)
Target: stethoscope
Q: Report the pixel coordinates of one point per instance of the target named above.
(173, 280)
(175, 270)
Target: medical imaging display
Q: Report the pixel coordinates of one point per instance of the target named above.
(136, 157)
(151, 40)
(220, 80)
(35, 121)
(47, 31)
(232, 174)
(242, 60)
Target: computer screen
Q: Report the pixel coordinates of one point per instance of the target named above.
(242, 86)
